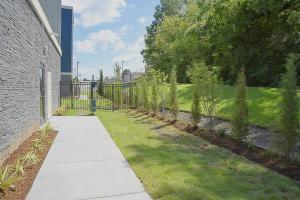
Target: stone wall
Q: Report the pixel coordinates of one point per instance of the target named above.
(24, 48)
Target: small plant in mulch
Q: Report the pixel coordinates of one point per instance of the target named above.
(19, 166)
(61, 111)
(31, 158)
(8, 179)
(38, 145)
(10, 175)
(48, 127)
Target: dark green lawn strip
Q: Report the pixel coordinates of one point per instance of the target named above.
(176, 165)
(264, 103)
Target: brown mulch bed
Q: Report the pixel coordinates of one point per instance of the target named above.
(23, 186)
(268, 159)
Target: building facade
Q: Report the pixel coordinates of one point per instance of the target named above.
(30, 68)
(67, 43)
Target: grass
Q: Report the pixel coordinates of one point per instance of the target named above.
(263, 103)
(179, 166)
(77, 103)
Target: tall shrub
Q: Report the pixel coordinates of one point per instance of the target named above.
(240, 115)
(156, 80)
(100, 89)
(131, 96)
(145, 95)
(196, 110)
(173, 94)
(136, 95)
(289, 134)
(206, 77)
(118, 94)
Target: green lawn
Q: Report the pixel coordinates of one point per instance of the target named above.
(263, 103)
(179, 166)
(85, 103)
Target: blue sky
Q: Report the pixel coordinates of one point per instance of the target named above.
(109, 31)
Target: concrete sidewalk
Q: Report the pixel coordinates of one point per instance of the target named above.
(84, 163)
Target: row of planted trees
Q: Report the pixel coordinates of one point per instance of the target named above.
(206, 96)
(156, 91)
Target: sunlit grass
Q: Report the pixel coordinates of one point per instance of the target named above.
(179, 166)
(263, 103)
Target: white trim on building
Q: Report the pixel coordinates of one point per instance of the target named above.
(41, 15)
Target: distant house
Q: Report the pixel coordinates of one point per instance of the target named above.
(132, 77)
(30, 68)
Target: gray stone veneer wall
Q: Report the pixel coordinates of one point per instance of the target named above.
(24, 48)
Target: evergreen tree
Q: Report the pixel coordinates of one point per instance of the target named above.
(145, 95)
(196, 110)
(240, 116)
(289, 133)
(173, 94)
(117, 72)
(131, 96)
(100, 84)
(136, 94)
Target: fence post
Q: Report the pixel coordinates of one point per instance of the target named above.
(92, 102)
(113, 97)
(72, 93)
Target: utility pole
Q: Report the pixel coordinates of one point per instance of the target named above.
(122, 70)
(77, 71)
(123, 65)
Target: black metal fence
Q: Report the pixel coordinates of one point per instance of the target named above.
(88, 95)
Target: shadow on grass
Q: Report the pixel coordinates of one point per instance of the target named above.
(187, 167)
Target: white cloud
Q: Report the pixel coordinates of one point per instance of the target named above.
(125, 29)
(142, 20)
(103, 40)
(95, 12)
(132, 55)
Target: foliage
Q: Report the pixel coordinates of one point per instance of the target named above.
(48, 127)
(163, 95)
(8, 177)
(117, 72)
(136, 95)
(100, 88)
(61, 111)
(240, 116)
(145, 94)
(196, 110)
(118, 94)
(19, 166)
(131, 96)
(174, 106)
(206, 78)
(38, 145)
(252, 33)
(156, 80)
(30, 158)
(43, 135)
(289, 121)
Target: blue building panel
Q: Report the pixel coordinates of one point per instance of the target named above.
(67, 39)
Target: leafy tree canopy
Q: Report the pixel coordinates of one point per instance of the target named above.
(229, 34)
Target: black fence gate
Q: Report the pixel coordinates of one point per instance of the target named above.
(88, 95)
